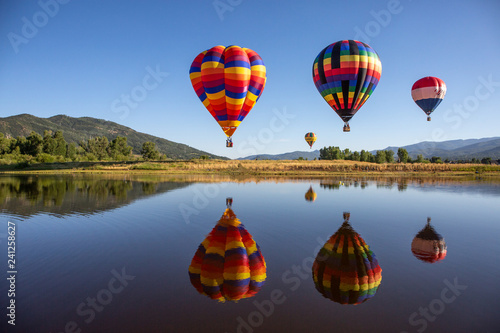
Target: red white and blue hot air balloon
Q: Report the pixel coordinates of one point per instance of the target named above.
(428, 93)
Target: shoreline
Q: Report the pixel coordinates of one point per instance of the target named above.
(264, 168)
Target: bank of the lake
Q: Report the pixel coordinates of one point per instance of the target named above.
(259, 167)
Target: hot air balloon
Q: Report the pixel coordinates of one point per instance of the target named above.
(228, 265)
(428, 245)
(345, 270)
(346, 73)
(311, 195)
(428, 93)
(310, 139)
(228, 81)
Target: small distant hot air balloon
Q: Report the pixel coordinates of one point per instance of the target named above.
(228, 264)
(428, 245)
(228, 81)
(346, 73)
(428, 93)
(311, 195)
(310, 139)
(346, 270)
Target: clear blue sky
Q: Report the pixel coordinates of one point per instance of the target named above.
(85, 55)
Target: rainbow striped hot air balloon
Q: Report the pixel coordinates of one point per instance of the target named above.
(428, 245)
(310, 139)
(228, 81)
(346, 270)
(346, 73)
(228, 264)
(428, 93)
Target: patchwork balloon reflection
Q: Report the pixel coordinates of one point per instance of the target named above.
(346, 271)
(428, 245)
(228, 265)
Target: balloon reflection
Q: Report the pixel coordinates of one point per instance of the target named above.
(311, 195)
(228, 264)
(428, 245)
(346, 270)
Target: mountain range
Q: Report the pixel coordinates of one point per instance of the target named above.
(452, 149)
(84, 128)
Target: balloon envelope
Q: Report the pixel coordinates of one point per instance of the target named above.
(428, 93)
(346, 270)
(428, 245)
(346, 73)
(228, 264)
(310, 138)
(228, 81)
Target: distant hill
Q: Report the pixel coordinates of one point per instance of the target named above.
(310, 155)
(84, 128)
(454, 149)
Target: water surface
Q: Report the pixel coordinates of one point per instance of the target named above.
(111, 253)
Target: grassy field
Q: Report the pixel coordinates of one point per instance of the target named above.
(259, 167)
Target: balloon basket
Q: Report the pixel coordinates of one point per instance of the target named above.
(229, 143)
(428, 118)
(347, 128)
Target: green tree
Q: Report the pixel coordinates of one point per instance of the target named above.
(71, 151)
(49, 144)
(380, 157)
(389, 156)
(355, 156)
(420, 159)
(486, 160)
(149, 151)
(119, 149)
(364, 156)
(60, 144)
(4, 144)
(33, 145)
(96, 148)
(436, 159)
(403, 155)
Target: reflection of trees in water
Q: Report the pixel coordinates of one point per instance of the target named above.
(26, 195)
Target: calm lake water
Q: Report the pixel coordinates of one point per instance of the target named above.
(112, 254)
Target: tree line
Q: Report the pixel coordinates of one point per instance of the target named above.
(52, 147)
(387, 156)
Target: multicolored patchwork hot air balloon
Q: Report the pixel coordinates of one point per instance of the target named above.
(228, 81)
(311, 195)
(346, 73)
(428, 245)
(428, 93)
(346, 270)
(228, 265)
(310, 139)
